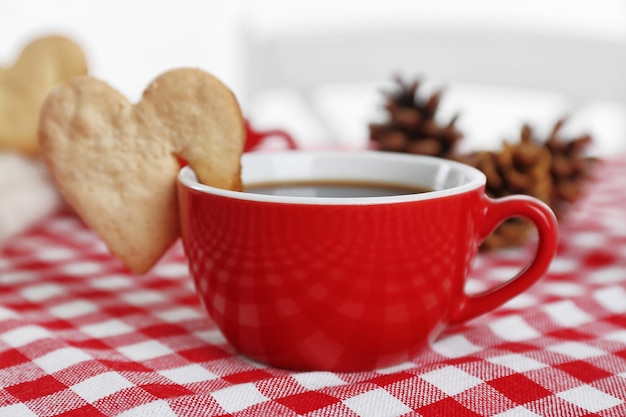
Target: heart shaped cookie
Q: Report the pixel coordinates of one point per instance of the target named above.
(116, 163)
(42, 64)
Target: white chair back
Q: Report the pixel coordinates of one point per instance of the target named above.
(581, 69)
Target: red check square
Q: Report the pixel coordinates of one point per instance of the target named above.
(519, 389)
(247, 376)
(125, 366)
(621, 353)
(569, 334)
(446, 407)
(166, 390)
(87, 410)
(307, 401)
(517, 347)
(385, 380)
(12, 357)
(204, 354)
(584, 371)
(37, 388)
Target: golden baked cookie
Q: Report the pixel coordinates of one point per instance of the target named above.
(23, 86)
(116, 163)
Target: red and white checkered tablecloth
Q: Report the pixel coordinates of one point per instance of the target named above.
(81, 337)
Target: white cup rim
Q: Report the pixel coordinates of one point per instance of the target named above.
(468, 178)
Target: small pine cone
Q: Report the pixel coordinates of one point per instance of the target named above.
(411, 125)
(519, 168)
(571, 168)
(512, 233)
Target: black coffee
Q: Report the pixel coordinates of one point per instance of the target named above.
(332, 188)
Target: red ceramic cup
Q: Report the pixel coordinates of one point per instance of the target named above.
(347, 284)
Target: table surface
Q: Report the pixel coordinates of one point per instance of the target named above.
(79, 336)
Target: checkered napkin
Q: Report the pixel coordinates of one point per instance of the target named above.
(81, 337)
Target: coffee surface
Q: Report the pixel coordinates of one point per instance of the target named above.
(333, 188)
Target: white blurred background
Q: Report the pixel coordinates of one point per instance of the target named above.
(129, 43)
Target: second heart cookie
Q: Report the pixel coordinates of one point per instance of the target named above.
(23, 86)
(116, 163)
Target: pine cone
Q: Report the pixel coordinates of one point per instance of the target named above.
(519, 168)
(553, 170)
(571, 167)
(412, 126)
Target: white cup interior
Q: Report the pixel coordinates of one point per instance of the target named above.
(443, 176)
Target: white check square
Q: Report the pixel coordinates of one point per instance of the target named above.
(157, 408)
(55, 254)
(567, 314)
(612, 298)
(82, 269)
(564, 289)
(100, 386)
(521, 302)
(451, 380)
(6, 314)
(238, 397)
(107, 328)
(590, 398)
(212, 337)
(42, 292)
(145, 350)
(618, 336)
(517, 362)
(14, 410)
(513, 329)
(455, 346)
(10, 278)
(143, 298)
(22, 336)
(61, 359)
(318, 380)
(577, 350)
(564, 265)
(376, 403)
(73, 309)
(518, 411)
(175, 270)
(396, 368)
(189, 374)
(177, 315)
(607, 275)
(111, 282)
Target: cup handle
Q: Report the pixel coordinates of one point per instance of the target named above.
(498, 210)
(255, 138)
